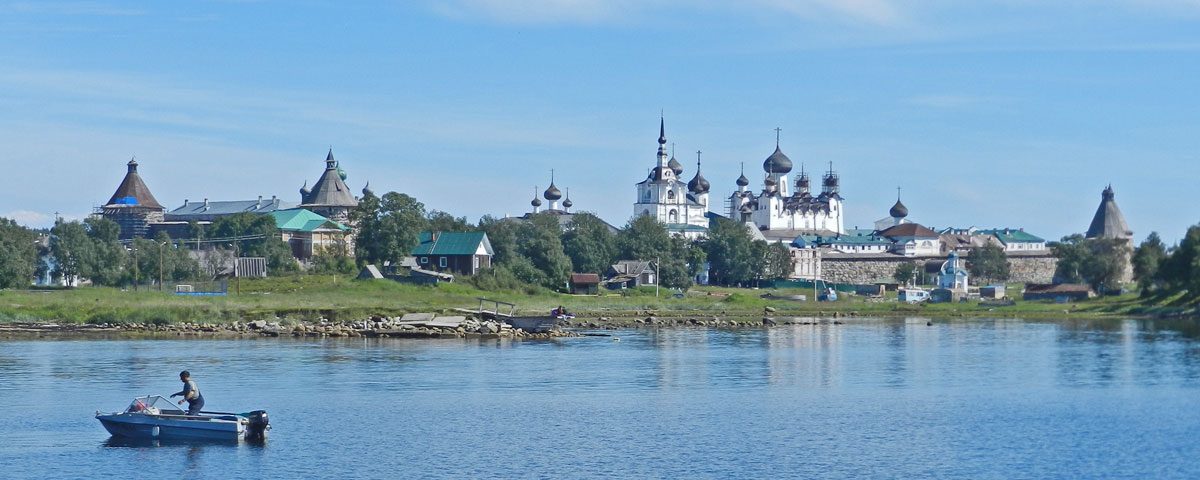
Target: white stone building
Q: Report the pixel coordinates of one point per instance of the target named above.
(779, 207)
(681, 207)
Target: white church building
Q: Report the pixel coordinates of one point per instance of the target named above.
(681, 207)
(780, 208)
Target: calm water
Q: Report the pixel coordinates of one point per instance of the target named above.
(976, 399)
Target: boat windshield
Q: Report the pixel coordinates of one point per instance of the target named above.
(153, 404)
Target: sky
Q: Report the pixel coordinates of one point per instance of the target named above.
(992, 113)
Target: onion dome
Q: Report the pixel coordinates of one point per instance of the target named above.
(898, 210)
(675, 165)
(698, 184)
(552, 193)
(802, 182)
(304, 191)
(742, 180)
(341, 173)
(536, 202)
(777, 162)
(830, 180)
(568, 203)
(366, 191)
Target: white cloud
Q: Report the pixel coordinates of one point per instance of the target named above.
(30, 218)
(875, 12)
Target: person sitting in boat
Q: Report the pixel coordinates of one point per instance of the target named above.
(190, 393)
(561, 312)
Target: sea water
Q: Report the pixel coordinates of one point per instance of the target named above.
(869, 399)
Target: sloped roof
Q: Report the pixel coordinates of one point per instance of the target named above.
(1012, 235)
(909, 230)
(302, 220)
(585, 278)
(1108, 221)
(330, 190)
(227, 207)
(631, 267)
(133, 192)
(452, 243)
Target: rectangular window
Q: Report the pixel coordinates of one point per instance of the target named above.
(442, 262)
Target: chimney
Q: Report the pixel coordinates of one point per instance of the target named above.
(274, 201)
(206, 204)
(434, 236)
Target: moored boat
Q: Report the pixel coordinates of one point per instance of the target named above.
(154, 417)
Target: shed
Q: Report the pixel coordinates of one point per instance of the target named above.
(1061, 293)
(585, 283)
(993, 292)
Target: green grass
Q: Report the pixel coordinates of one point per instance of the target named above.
(308, 298)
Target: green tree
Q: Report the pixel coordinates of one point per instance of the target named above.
(643, 238)
(540, 241)
(731, 253)
(1099, 262)
(988, 263)
(263, 241)
(439, 221)
(905, 272)
(105, 262)
(590, 244)
(401, 221)
(1146, 260)
(502, 233)
(71, 248)
(368, 241)
(777, 261)
(18, 254)
(1180, 271)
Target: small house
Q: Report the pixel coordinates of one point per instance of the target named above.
(309, 234)
(1060, 293)
(460, 252)
(993, 292)
(631, 274)
(585, 283)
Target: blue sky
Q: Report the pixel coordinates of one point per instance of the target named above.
(987, 113)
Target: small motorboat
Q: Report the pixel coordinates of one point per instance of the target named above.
(155, 417)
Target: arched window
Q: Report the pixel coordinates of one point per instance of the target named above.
(670, 194)
(673, 216)
(645, 212)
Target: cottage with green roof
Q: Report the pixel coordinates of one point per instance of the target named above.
(311, 234)
(1016, 239)
(460, 252)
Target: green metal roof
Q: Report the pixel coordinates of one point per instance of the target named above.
(303, 220)
(1012, 235)
(452, 243)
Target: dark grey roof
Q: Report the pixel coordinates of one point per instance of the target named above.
(698, 184)
(777, 162)
(206, 210)
(675, 166)
(133, 192)
(552, 193)
(742, 180)
(330, 190)
(1108, 221)
(898, 210)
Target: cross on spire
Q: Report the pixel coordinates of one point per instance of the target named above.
(777, 130)
(897, 193)
(697, 160)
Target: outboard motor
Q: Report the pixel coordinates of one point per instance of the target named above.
(259, 424)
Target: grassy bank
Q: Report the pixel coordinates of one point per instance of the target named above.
(309, 298)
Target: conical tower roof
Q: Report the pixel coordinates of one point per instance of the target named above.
(1108, 221)
(330, 190)
(133, 192)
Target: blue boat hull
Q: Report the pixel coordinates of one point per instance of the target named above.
(139, 426)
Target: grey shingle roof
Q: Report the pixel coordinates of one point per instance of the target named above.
(133, 192)
(330, 190)
(1108, 221)
(206, 210)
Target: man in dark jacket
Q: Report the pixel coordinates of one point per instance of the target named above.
(190, 393)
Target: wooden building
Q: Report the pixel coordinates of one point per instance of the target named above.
(459, 252)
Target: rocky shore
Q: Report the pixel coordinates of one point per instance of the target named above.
(378, 327)
(392, 327)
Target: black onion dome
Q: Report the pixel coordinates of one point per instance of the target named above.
(777, 162)
(698, 184)
(552, 193)
(898, 210)
(537, 202)
(676, 166)
(743, 181)
(830, 181)
(802, 182)
(366, 191)
(567, 203)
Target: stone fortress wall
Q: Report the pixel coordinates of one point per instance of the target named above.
(866, 269)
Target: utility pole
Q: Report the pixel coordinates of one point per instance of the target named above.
(657, 277)
(135, 266)
(160, 265)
